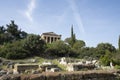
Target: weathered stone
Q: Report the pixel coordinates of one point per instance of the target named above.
(81, 75)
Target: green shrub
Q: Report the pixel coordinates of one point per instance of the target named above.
(117, 66)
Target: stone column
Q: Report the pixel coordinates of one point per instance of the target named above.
(53, 39)
(57, 38)
(46, 39)
(50, 40)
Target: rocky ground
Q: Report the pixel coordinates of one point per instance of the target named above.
(80, 75)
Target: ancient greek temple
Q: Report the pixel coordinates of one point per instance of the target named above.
(50, 37)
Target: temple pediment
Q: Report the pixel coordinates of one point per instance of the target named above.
(50, 37)
(50, 34)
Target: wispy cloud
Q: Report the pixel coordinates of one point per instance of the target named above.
(30, 8)
(76, 15)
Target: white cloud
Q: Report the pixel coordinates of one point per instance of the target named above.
(30, 8)
(76, 15)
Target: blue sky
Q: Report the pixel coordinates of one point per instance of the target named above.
(94, 21)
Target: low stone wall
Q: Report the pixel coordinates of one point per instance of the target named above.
(20, 68)
(81, 75)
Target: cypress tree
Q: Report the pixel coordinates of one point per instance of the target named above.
(72, 34)
(73, 39)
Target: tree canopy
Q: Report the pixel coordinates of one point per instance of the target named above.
(11, 33)
(34, 44)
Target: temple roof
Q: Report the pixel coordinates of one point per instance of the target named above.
(50, 33)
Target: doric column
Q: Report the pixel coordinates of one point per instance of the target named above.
(46, 39)
(57, 38)
(53, 39)
(50, 40)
